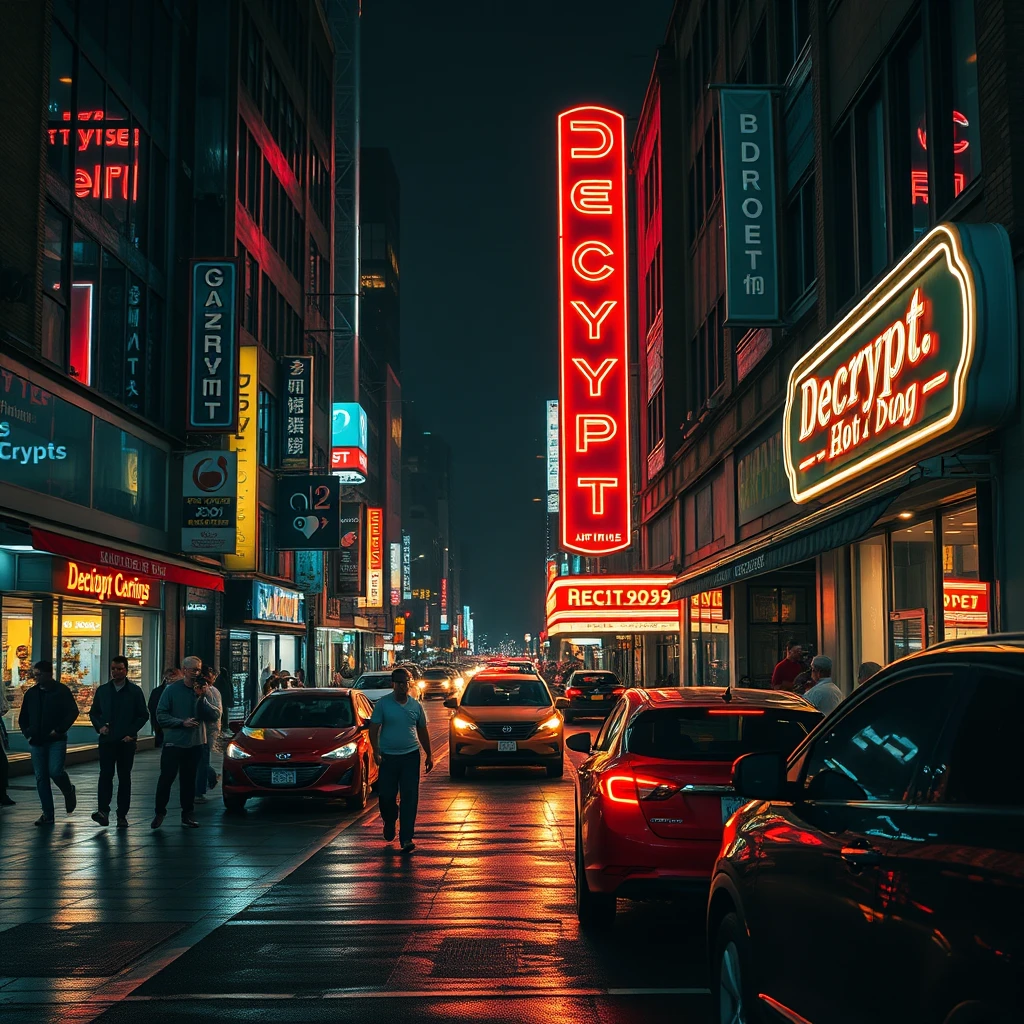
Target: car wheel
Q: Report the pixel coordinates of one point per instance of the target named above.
(555, 771)
(358, 802)
(234, 804)
(567, 717)
(737, 1003)
(456, 769)
(594, 910)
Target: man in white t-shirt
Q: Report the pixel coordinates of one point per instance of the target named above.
(398, 728)
(823, 694)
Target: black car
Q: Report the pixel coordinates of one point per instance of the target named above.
(591, 693)
(878, 873)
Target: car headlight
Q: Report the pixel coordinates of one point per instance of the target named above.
(554, 722)
(236, 753)
(446, 685)
(340, 753)
(463, 723)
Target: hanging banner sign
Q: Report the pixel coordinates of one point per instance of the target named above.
(748, 204)
(309, 571)
(308, 513)
(209, 486)
(552, 455)
(593, 265)
(374, 559)
(406, 567)
(930, 348)
(351, 555)
(213, 347)
(244, 445)
(396, 574)
(296, 412)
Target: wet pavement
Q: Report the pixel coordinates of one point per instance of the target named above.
(297, 911)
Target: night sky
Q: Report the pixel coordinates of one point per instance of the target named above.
(465, 96)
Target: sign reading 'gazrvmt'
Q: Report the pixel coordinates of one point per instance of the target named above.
(213, 354)
(903, 367)
(593, 368)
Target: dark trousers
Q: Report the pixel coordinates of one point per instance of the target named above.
(398, 791)
(180, 761)
(119, 756)
(48, 765)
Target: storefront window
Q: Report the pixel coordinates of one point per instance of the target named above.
(709, 639)
(966, 600)
(966, 118)
(16, 650)
(130, 477)
(913, 563)
(869, 604)
(81, 667)
(60, 129)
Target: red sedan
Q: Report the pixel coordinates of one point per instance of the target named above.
(653, 797)
(302, 743)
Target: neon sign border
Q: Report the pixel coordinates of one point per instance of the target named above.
(593, 550)
(942, 241)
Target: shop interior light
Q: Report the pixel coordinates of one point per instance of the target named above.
(16, 547)
(906, 515)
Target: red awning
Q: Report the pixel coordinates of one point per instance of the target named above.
(133, 561)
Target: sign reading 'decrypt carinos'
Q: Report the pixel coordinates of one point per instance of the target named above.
(308, 513)
(931, 347)
(296, 412)
(748, 202)
(209, 488)
(213, 352)
(593, 365)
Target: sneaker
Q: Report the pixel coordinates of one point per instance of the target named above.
(200, 799)
(100, 818)
(71, 800)
(122, 822)
(44, 820)
(389, 831)
(213, 784)
(157, 821)
(6, 801)
(408, 847)
(189, 823)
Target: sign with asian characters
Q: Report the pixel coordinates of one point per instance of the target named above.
(552, 456)
(582, 605)
(593, 404)
(906, 364)
(244, 444)
(296, 412)
(406, 567)
(134, 347)
(213, 348)
(209, 487)
(748, 203)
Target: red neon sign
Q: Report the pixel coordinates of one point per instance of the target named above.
(107, 177)
(594, 374)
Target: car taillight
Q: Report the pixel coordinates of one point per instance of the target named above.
(656, 789)
(620, 789)
(618, 690)
(573, 691)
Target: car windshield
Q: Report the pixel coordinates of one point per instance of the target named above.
(303, 713)
(717, 734)
(591, 680)
(482, 693)
(381, 682)
(435, 673)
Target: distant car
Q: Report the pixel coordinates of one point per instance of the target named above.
(891, 840)
(302, 743)
(412, 668)
(373, 685)
(591, 693)
(652, 797)
(506, 719)
(437, 681)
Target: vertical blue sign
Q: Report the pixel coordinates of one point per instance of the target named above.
(748, 183)
(213, 347)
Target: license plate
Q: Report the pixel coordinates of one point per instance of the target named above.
(729, 805)
(282, 778)
(597, 696)
(506, 746)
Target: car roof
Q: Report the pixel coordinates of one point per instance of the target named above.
(592, 672)
(499, 676)
(713, 697)
(312, 691)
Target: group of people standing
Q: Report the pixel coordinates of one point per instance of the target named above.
(186, 711)
(812, 677)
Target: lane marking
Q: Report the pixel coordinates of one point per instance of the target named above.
(503, 992)
(414, 922)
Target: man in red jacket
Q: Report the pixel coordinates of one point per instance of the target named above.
(789, 668)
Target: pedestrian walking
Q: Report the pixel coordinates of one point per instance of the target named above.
(824, 694)
(5, 709)
(786, 671)
(866, 671)
(47, 713)
(398, 728)
(118, 713)
(169, 676)
(178, 714)
(227, 697)
(206, 777)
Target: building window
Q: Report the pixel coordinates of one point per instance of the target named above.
(250, 298)
(656, 420)
(129, 477)
(707, 357)
(800, 239)
(652, 288)
(266, 427)
(660, 549)
(705, 178)
(268, 542)
(321, 373)
(652, 182)
(794, 28)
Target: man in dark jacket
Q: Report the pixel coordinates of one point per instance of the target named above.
(47, 712)
(118, 713)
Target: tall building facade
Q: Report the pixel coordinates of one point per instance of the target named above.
(794, 495)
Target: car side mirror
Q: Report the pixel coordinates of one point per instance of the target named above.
(364, 726)
(563, 702)
(579, 741)
(234, 724)
(761, 776)
(451, 702)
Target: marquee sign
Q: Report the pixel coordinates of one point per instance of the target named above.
(86, 579)
(578, 605)
(594, 374)
(932, 347)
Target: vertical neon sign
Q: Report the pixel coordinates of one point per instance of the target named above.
(593, 365)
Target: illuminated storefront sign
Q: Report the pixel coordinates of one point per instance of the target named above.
(349, 442)
(593, 379)
(83, 579)
(209, 485)
(965, 603)
(275, 604)
(374, 559)
(110, 145)
(578, 605)
(308, 513)
(552, 455)
(351, 461)
(297, 412)
(406, 567)
(244, 444)
(396, 575)
(748, 202)
(918, 356)
(213, 349)
(351, 555)
(706, 606)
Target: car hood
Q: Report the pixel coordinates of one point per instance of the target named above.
(375, 694)
(506, 714)
(258, 741)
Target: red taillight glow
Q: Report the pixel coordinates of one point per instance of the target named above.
(573, 691)
(620, 789)
(657, 789)
(735, 711)
(618, 690)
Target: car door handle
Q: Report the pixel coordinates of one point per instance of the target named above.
(860, 856)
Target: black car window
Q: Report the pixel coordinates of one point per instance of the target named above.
(874, 750)
(381, 682)
(985, 764)
(591, 680)
(612, 727)
(717, 734)
(303, 713)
